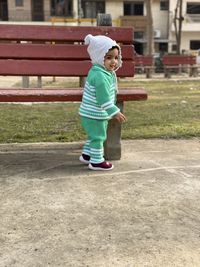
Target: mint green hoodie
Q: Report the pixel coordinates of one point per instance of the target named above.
(99, 95)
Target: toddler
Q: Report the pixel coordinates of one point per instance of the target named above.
(99, 99)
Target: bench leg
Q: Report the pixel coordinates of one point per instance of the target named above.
(193, 71)
(167, 73)
(149, 73)
(82, 81)
(112, 146)
(39, 82)
(25, 81)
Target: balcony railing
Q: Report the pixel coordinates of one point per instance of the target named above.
(138, 22)
(190, 18)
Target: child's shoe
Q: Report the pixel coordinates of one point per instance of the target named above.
(103, 166)
(84, 159)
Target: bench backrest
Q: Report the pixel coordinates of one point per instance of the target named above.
(40, 50)
(141, 60)
(178, 59)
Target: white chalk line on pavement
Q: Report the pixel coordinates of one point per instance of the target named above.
(169, 168)
(90, 174)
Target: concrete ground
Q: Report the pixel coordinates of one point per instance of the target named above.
(15, 81)
(144, 213)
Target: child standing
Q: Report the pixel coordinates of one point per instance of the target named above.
(99, 99)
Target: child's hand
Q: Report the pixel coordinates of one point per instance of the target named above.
(119, 117)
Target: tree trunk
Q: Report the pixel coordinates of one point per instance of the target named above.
(150, 30)
(150, 36)
(178, 21)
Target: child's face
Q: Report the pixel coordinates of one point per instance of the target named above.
(111, 59)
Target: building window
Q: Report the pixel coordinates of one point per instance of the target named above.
(133, 8)
(174, 47)
(195, 44)
(163, 47)
(19, 2)
(193, 8)
(3, 11)
(62, 8)
(164, 5)
(138, 35)
(92, 8)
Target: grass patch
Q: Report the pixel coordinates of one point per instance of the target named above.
(172, 111)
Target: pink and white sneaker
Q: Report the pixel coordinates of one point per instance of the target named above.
(103, 166)
(84, 159)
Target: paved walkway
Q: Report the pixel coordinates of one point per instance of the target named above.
(144, 213)
(15, 81)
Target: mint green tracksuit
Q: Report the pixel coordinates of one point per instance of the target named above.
(97, 107)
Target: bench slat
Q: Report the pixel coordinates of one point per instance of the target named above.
(62, 33)
(51, 51)
(63, 95)
(143, 60)
(178, 60)
(55, 68)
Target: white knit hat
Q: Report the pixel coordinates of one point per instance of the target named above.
(98, 46)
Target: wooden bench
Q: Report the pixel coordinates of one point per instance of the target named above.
(34, 50)
(144, 63)
(179, 62)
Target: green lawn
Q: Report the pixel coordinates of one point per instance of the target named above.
(171, 111)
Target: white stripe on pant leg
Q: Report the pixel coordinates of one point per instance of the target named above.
(86, 152)
(96, 155)
(96, 150)
(86, 148)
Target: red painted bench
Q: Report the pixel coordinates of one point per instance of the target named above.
(178, 62)
(59, 51)
(144, 63)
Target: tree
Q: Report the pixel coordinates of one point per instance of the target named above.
(178, 21)
(150, 33)
(150, 29)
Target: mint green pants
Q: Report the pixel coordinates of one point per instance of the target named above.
(96, 131)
